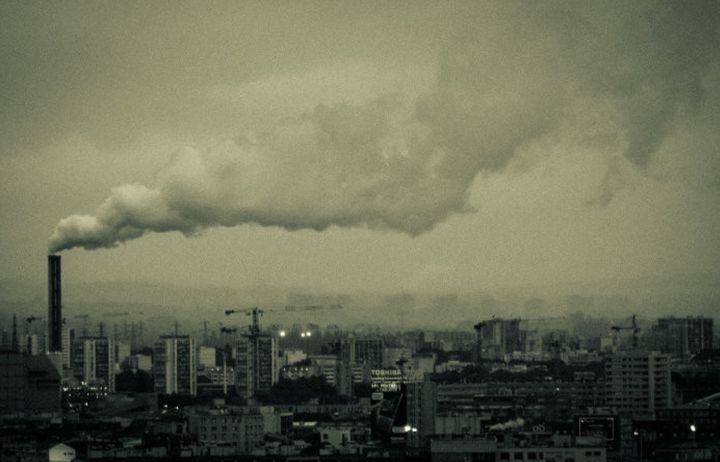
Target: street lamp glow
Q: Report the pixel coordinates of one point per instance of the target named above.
(308, 334)
(693, 428)
(282, 333)
(302, 335)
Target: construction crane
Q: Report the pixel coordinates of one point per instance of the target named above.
(633, 327)
(255, 313)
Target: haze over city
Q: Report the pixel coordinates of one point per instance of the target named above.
(383, 148)
(338, 231)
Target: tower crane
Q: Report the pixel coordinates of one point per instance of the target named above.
(255, 313)
(633, 327)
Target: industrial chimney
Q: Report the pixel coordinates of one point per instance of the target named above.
(54, 305)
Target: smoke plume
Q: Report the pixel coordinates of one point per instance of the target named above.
(509, 425)
(406, 165)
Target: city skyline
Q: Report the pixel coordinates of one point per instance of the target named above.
(463, 146)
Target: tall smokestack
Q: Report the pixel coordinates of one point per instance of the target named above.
(54, 304)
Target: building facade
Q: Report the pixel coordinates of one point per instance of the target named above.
(29, 385)
(174, 365)
(638, 381)
(94, 361)
(370, 351)
(255, 364)
(684, 336)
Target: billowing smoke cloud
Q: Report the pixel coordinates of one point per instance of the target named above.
(519, 73)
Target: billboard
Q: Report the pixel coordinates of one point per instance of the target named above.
(605, 427)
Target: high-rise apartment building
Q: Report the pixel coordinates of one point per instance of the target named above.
(94, 361)
(68, 337)
(174, 365)
(255, 364)
(497, 338)
(370, 351)
(638, 381)
(684, 336)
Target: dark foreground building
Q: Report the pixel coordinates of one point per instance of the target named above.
(30, 386)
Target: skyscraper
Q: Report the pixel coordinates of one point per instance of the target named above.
(255, 368)
(94, 361)
(174, 359)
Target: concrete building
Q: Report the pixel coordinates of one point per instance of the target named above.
(489, 449)
(255, 364)
(32, 344)
(327, 366)
(68, 337)
(174, 365)
(241, 429)
(29, 385)
(637, 381)
(497, 338)
(94, 361)
(683, 337)
(370, 351)
(421, 411)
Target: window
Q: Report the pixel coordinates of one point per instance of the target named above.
(532, 456)
(518, 456)
(504, 456)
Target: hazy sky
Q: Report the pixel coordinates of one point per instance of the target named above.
(359, 145)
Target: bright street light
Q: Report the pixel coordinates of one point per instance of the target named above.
(693, 428)
(282, 333)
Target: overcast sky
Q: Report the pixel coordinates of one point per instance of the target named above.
(359, 145)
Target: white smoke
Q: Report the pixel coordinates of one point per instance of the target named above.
(509, 425)
(408, 165)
